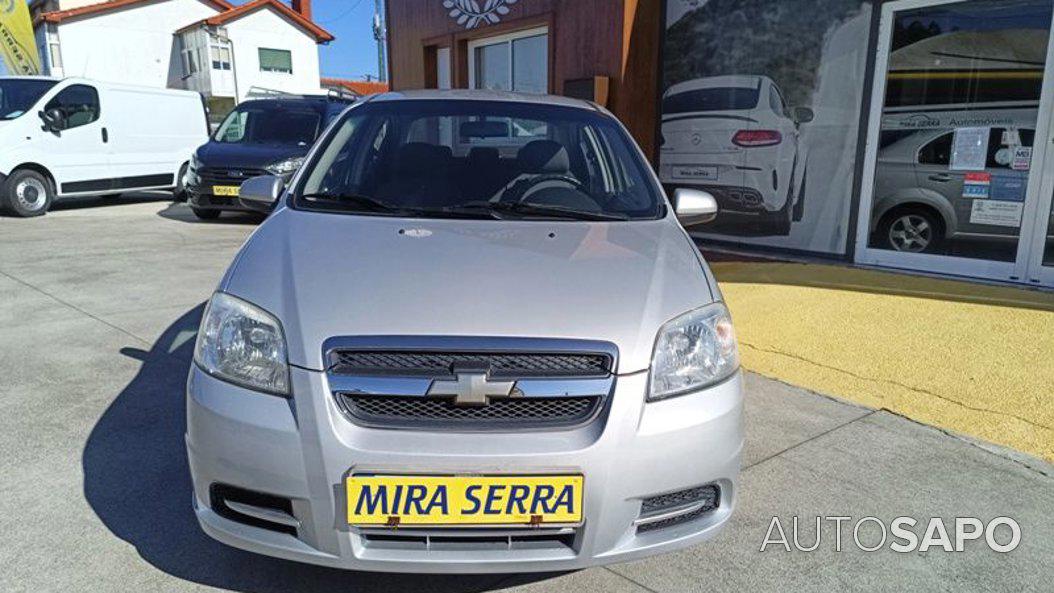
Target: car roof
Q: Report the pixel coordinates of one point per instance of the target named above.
(32, 77)
(482, 95)
(315, 102)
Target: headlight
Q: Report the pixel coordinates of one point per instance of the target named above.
(286, 167)
(243, 344)
(693, 351)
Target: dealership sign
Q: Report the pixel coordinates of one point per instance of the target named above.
(476, 13)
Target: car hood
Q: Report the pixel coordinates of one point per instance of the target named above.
(329, 275)
(247, 156)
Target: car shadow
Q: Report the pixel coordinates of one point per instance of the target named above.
(181, 212)
(136, 480)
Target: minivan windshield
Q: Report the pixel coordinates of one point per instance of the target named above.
(479, 159)
(18, 95)
(262, 123)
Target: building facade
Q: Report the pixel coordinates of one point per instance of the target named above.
(909, 134)
(223, 51)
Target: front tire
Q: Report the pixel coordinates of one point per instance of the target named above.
(206, 214)
(180, 193)
(27, 193)
(912, 230)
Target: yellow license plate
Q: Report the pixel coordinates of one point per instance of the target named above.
(225, 190)
(464, 500)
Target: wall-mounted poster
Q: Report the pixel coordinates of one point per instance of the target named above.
(761, 108)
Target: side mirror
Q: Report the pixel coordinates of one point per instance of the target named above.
(802, 115)
(54, 119)
(694, 206)
(261, 193)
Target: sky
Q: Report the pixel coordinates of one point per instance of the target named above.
(354, 53)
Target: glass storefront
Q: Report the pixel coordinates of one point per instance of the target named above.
(958, 124)
(763, 105)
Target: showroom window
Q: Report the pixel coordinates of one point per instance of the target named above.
(959, 87)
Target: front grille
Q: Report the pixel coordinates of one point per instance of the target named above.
(222, 495)
(672, 521)
(210, 176)
(455, 540)
(672, 500)
(420, 412)
(442, 364)
(708, 497)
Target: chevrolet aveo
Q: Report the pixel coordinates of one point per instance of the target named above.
(471, 337)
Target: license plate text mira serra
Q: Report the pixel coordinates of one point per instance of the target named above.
(464, 500)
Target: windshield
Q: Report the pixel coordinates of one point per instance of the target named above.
(18, 95)
(715, 99)
(480, 159)
(270, 124)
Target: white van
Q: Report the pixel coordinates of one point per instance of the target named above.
(73, 137)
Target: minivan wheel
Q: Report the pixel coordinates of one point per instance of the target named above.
(206, 214)
(27, 193)
(912, 230)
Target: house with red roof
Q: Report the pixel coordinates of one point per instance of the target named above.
(223, 50)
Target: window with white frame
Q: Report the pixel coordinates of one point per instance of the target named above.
(517, 62)
(514, 62)
(55, 54)
(276, 60)
(221, 56)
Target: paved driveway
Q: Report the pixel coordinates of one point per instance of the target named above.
(99, 304)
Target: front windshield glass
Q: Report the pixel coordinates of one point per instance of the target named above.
(480, 159)
(17, 96)
(270, 124)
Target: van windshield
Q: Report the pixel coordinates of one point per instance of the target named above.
(17, 96)
(480, 159)
(270, 124)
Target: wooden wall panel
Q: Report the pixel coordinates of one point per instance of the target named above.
(614, 38)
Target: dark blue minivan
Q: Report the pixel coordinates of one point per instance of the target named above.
(260, 137)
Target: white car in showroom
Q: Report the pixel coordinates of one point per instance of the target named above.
(735, 137)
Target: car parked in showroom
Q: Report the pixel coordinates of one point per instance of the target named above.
(259, 137)
(922, 203)
(736, 138)
(471, 337)
(73, 137)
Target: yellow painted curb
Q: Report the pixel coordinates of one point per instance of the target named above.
(966, 357)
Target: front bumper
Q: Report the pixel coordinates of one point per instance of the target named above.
(302, 450)
(199, 197)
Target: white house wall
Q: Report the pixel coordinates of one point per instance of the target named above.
(132, 46)
(267, 29)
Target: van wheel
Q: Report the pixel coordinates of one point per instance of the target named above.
(206, 214)
(27, 193)
(914, 230)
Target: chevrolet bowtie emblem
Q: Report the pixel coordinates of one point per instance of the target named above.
(472, 389)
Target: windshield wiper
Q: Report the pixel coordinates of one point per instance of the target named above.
(355, 201)
(534, 209)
